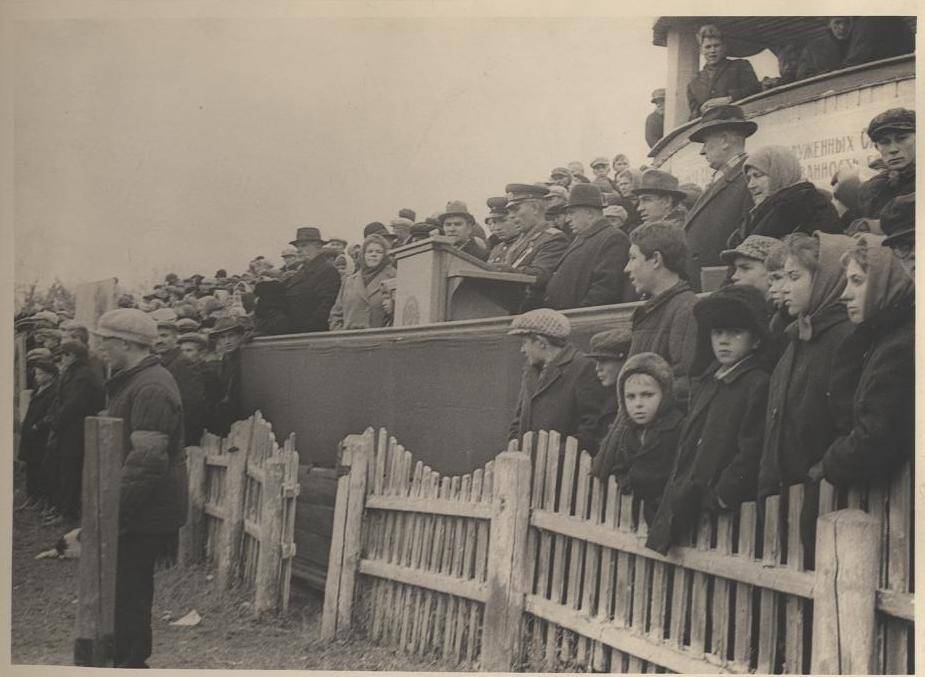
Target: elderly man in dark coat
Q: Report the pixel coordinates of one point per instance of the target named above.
(721, 80)
(312, 290)
(590, 272)
(559, 390)
(538, 247)
(153, 490)
(723, 205)
(80, 394)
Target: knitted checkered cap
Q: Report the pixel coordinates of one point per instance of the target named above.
(753, 247)
(543, 321)
(129, 324)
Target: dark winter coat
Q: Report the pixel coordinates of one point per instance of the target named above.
(797, 208)
(229, 407)
(566, 397)
(665, 326)
(153, 486)
(33, 436)
(79, 394)
(590, 272)
(716, 214)
(730, 77)
(882, 435)
(473, 248)
(655, 127)
(877, 191)
(871, 39)
(821, 55)
(270, 317)
(801, 420)
(192, 389)
(310, 295)
(718, 452)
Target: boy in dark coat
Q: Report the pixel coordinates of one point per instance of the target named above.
(880, 300)
(153, 491)
(559, 390)
(720, 444)
(665, 323)
(893, 133)
(647, 441)
(34, 431)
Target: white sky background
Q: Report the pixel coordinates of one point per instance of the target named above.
(186, 145)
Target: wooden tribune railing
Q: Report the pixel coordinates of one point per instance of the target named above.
(532, 562)
(242, 502)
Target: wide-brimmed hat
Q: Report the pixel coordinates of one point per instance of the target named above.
(660, 183)
(722, 117)
(456, 208)
(307, 234)
(585, 195)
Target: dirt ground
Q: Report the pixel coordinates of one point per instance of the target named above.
(44, 606)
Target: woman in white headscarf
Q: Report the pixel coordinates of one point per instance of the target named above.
(785, 202)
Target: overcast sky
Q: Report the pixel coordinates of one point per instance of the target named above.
(186, 145)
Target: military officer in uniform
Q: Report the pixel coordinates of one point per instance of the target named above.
(502, 229)
(538, 247)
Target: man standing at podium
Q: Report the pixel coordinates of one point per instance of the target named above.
(459, 224)
(538, 247)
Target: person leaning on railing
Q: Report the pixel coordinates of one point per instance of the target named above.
(721, 80)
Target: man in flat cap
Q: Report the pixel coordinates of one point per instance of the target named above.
(561, 176)
(401, 230)
(77, 331)
(556, 215)
(503, 232)
(897, 220)
(609, 350)
(189, 379)
(577, 171)
(590, 271)
(559, 390)
(457, 223)
(601, 168)
(746, 262)
(655, 122)
(290, 256)
(538, 247)
(311, 292)
(893, 133)
(79, 393)
(722, 206)
(153, 488)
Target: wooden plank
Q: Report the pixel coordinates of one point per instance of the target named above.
(739, 569)
(433, 506)
(899, 567)
(422, 560)
(462, 610)
(332, 589)
(605, 593)
(591, 573)
(408, 556)
(624, 601)
(441, 564)
(235, 448)
(743, 644)
(699, 589)
(506, 583)
(437, 582)
(391, 535)
(563, 507)
(767, 619)
(721, 591)
(267, 581)
(624, 640)
(847, 571)
(192, 533)
(572, 593)
(99, 541)
(218, 461)
(794, 606)
(449, 630)
(471, 570)
(537, 541)
(291, 491)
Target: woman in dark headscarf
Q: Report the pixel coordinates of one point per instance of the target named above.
(880, 299)
(784, 201)
(359, 303)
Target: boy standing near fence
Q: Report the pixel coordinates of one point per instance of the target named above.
(720, 446)
(646, 443)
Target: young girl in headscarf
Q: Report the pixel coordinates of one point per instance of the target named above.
(359, 302)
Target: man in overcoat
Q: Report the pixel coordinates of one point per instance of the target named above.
(590, 272)
(458, 223)
(721, 80)
(559, 389)
(722, 206)
(311, 292)
(189, 379)
(153, 490)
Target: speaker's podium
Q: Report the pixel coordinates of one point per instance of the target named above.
(435, 282)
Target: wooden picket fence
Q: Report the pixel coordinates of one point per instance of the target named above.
(533, 563)
(242, 505)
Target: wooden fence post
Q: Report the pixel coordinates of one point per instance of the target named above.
(229, 548)
(99, 541)
(192, 533)
(346, 540)
(267, 593)
(847, 574)
(501, 634)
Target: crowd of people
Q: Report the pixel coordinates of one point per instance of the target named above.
(797, 368)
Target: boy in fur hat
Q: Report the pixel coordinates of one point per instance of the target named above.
(648, 430)
(721, 441)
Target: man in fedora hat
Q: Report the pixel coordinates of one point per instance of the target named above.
(655, 122)
(660, 197)
(227, 336)
(312, 290)
(590, 272)
(538, 247)
(459, 224)
(722, 207)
